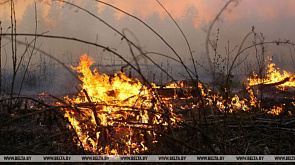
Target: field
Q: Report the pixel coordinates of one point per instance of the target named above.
(227, 104)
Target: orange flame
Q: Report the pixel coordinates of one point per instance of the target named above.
(118, 117)
(275, 110)
(273, 76)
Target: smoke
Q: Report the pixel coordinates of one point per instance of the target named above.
(271, 17)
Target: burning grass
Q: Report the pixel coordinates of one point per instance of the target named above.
(118, 115)
(273, 77)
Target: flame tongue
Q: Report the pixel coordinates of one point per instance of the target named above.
(119, 89)
(274, 77)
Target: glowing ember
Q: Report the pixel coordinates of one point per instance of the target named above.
(236, 104)
(276, 110)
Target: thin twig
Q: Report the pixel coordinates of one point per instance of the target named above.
(29, 114)
(209, 32)
(44, 140)
(23, 97)
(97, 120)
(184, 36)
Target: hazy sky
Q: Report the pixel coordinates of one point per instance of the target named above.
(274, 18)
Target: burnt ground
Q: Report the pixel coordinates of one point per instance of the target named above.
(202, 131)
(30, 136)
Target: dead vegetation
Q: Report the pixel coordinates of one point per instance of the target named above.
(189, 118)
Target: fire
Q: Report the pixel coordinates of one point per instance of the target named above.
(235, 104)
(282, 80)
(119, 89)
(274, 76)
(116, 114)
(116, 119)
(275, 110)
